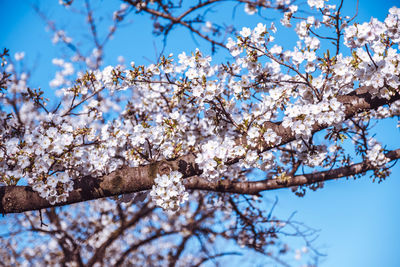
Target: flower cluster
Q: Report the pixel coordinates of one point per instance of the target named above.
(168, 191)
(54, 188)
(371, 32)
(301, 119)
(271, 137)
(375, 154)
(316, 3)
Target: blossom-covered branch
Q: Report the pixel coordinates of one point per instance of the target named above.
(198, 137)
(22, 198)
(261, 111)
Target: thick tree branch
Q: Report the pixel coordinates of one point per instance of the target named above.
(127, 180)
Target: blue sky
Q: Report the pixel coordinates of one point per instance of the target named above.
(358, 219)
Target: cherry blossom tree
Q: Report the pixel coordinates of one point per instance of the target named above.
(186, 133)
